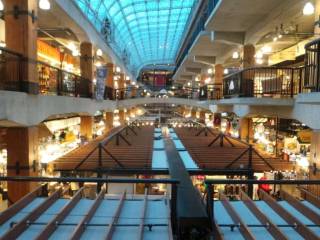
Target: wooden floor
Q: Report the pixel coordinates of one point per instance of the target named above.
(137, 155)
(216, 157)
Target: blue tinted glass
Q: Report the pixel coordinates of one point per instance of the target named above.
(148, 31)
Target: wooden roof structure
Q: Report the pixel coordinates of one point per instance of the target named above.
(226, 152)
(122, 148)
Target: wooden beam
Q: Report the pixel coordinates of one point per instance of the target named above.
(115, 218)
(300, 227)
(236, 218)
(19, 228)
(86, 219)
(314, 217)
(15, 208)
(143, 215)
(52, 225)
(310, 197)
(272, 229)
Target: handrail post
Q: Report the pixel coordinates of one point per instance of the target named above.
(173, 205)
(210, 210)
(292, 84)
(250, 171)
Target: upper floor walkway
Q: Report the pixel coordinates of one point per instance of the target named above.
(21, 109)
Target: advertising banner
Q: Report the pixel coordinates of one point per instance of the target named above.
(101, 75)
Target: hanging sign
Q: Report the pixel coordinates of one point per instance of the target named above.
(101, 75)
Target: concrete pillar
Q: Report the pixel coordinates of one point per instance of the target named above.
(21, 37)
(218, 75)
(218, 81)
(122, 116)
(248, 56)
(246, 130)
(217, 120)
(121, 83)
(86, 126)
(109, 121)
(203, 115)
(22, 147)
(133, 91)
(86, 64)
(194, 113)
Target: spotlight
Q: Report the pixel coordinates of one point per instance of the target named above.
(99, 53)
(44, 4)
(235, 55)
(308, 9)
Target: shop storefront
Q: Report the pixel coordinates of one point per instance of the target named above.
(265, 134)
(57, 138)
(51, 60)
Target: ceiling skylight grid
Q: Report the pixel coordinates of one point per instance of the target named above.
(149, 31)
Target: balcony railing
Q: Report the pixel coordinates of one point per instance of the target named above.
(312, 66)
(14, 69)
(277, 81)
(264, 81)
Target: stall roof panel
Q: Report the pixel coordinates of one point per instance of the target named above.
(132, 209)
(141, 32)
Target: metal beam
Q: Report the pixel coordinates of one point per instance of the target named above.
(53, 224)
(208, 60)
(22, 225)
(300, 227)
(115, 218)
(91, 180)
(143, 215)
(236, 218)
(193, 70)
(15, 208)
(186, 77)
(300, 207)
(86, 219)
(229, 38)
(272, 229)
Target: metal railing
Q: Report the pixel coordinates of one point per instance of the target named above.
(15, 68)
(312, 66)
(264, 81)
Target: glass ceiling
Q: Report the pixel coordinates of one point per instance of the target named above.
(141, 32)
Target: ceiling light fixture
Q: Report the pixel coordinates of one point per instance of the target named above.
(266, 49)
(1, 6)
(226, 71)
(210, 71)
(44, 4)
(259, 55)
(99, 53)
(259, 61)
(308, 9)
(235, 55)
